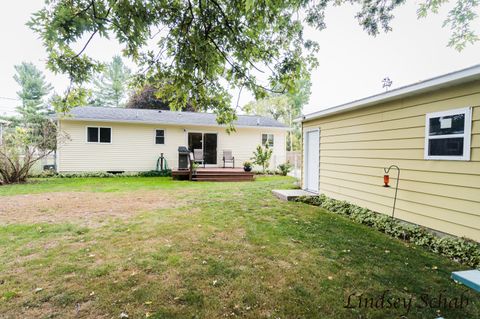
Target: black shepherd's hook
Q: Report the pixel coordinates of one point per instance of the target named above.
(386, 170)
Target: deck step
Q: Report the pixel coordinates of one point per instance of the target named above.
(224, 176)
(220, 174)
(215, 179)
(217, 175)
(225, 173)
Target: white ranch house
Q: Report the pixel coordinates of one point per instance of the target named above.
(131, 140)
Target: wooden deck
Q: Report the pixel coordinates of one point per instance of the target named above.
(215, 174)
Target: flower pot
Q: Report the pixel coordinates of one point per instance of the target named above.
(247, 168)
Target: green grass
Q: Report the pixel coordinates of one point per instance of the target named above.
(231, 250)
(44, 185)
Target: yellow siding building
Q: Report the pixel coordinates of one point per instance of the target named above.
(431, 130)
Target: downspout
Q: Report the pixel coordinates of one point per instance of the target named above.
(55, 153)
(301, 155)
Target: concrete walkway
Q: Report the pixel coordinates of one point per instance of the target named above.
(291, 194)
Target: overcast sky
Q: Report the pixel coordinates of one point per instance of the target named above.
(352, 64)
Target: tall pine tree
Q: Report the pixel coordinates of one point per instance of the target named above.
(33, 90)
(110, 88)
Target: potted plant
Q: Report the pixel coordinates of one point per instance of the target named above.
(247, 166)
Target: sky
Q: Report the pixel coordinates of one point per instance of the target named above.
(352, 63)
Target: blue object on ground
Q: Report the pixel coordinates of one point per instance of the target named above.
(470, 278)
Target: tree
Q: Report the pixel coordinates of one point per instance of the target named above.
(33, 111)
(298, 99)
(33, 90)
(274, 106)
(30, 136)
(21, 147)
(146, 98)
(194, 50)
(110, 87)
(261, 156)
(284, 108)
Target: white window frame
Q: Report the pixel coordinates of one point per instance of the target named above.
(164, 136)
(273, 139)
(98, 127)
(467, 134)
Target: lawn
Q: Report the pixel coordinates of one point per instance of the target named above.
(156, 248)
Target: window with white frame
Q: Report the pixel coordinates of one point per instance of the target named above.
(99, 134)
(159, 136)
(267, 139)
(447, 135)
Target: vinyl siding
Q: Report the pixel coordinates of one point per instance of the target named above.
(133, 146)
(355, 146)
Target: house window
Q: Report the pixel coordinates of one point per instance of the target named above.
(99, 134)
(159, 136)
(267, 139)
(447, 135)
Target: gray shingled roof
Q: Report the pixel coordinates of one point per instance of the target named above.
(163, 117)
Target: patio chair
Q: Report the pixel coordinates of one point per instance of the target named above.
(228, 157)
(198, 156)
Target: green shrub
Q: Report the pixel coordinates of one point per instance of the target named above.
(85, 174)
(152, 173)
(167, 172)
(285, 168)
(458, 249)
(261, 157)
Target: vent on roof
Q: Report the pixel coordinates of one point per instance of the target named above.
(258, 121)
(160, 111)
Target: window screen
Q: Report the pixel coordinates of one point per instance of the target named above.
(105, 135)
(99, 135)
(92, 134)
(448, 135)
(267, 139)
(159, 137)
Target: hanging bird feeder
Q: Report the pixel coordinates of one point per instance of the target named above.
(386, 181)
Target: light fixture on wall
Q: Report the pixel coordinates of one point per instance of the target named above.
(386, 181)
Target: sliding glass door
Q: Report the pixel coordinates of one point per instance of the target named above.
(205, 141)
(210, 148)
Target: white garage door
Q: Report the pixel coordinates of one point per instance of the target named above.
(312, 159)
